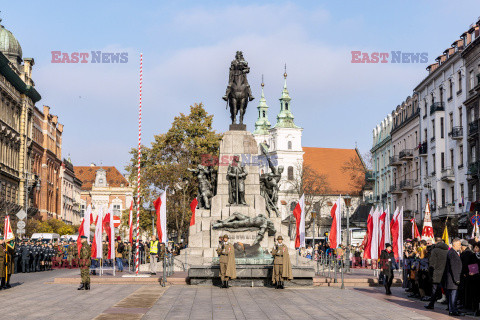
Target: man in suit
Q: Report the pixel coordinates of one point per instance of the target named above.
(453, 269)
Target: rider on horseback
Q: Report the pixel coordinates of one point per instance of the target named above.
(238, 67)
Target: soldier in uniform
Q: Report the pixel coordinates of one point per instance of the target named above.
(226, 252)
(25, 257)
(9, 255)
(282, 269)
(17, 258)
(84, 264)
(70, 254)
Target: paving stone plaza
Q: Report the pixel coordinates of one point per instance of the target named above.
(40, 298)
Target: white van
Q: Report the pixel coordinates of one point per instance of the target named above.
(47, 237)
(68, 237)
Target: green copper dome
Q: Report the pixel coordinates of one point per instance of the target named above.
(285, 116)
(262, 125)
(10, 46)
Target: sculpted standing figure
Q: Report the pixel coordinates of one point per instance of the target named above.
(238, 92)
(282, 269)
(270, 184)
(205, 188)
(236, 175)
(226, 252)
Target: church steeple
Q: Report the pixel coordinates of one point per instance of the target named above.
(262, 125)
(285, 116)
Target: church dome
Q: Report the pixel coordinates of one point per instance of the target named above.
(10, 46)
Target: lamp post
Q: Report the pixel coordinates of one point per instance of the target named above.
(348, 202)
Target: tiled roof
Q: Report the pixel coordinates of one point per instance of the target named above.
(332, 163)
(87, 175)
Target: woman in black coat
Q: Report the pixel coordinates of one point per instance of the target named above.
(388, 264)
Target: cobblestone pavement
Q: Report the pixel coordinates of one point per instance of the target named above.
(42, 300)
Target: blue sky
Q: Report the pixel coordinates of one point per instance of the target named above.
(188, 46)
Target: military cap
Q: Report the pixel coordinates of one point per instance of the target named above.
(387, 245)
(225, 236)
(83, 237)
(279, 238)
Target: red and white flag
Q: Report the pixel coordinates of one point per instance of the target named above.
(110, 229)
(368, 245)
(97, 248)
(335, 235)
(387, 227)
(381, 232)
(84, 229)
(375, 233)
(415, 233)
(193, 207)
(161, 210)
(7, 230)
(130, 224)
(427, 231)
(396, 230)
(299, 214)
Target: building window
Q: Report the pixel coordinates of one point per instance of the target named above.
(460, 116)
(472, 80)
(459, 77)
(452, 162)
(433, 128)
(461, 155)
(473, 155)
(442, 129)
(450, 88)
(264, 114)
(443, 198)
(289, 145)
(290, 173)
(286, 105)
(462, 191)
(452, 200)
(474, 193)
(442, 160)
(434, 163)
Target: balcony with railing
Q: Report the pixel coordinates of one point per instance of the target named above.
(447, 210)
(369, 175)
(456, 133)
(395, 189)
(473, 169)
(448, 175)
(473, 128)
(422, 149)
(406, 154)
(406, 184)
(395, 161)
(437, 106)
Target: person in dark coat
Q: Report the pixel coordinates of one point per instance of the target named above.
(388, 264)
(453, 270)
(464, 289)
(437, 262)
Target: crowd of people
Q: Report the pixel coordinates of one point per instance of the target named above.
(448, 274)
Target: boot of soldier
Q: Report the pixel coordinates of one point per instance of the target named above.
(2, 284)
(7, 285)
(223, 284)
(281, 285)
(82, 286)
(226, 284)
(87, 286)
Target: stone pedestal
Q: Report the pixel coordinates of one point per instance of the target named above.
(203, 240)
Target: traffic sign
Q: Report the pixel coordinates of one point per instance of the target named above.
(462, 231)
(21, 231)
(116, 221)
(21, 224)
(475, 220)
(21, 214)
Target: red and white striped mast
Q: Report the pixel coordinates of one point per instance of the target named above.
(138, 168)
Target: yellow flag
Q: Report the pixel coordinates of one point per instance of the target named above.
(445, 235)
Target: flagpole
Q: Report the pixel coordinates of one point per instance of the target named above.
(138, 165)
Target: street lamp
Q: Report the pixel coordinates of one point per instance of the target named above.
(348, 202)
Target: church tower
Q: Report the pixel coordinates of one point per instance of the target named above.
(285, 146)
(262, 125)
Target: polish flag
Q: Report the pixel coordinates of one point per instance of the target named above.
(84, 229)
(368, 245)
(161, 210)
(335, 235)
(375, 233)
(299, 214)
(110, 229)
(7, 230)
(387, 227)
(381, 232)
(130, 223)
(97, 248)
(193, 207)
(427, 231)
(415, 233)
(397, 237)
